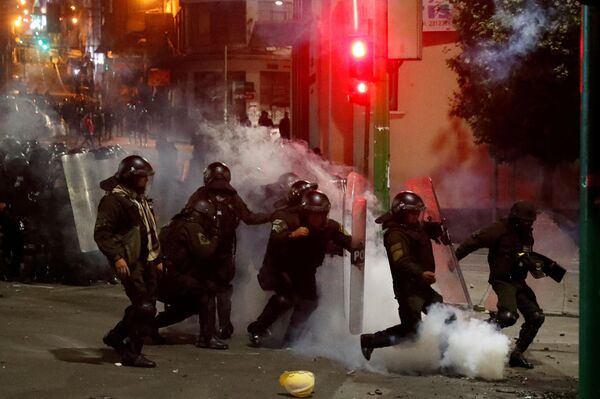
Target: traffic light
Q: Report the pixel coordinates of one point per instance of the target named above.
(43, 44)
(360, 49)
(361, 60)
(359, 93)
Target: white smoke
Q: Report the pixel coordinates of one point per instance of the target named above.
(524, 30)
(465, 346)
(256, 159)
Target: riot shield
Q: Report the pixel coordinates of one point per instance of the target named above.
(449, 276)
(83, 173)
(354, 220)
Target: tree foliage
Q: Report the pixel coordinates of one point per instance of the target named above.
(518, 76)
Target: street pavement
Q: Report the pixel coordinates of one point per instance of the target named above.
(50, 347)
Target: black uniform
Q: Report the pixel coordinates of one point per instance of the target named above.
(121, 233)
(505, 240)
(410, 254)
(230, 210)
(289, 269)
(14, 187)
(188, 287)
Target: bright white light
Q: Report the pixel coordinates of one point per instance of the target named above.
(25, 12)
(278, 2)
(359, 49)
(362, 87)
(98, 58)
(23, 2)
(76, 71)
(43, 10)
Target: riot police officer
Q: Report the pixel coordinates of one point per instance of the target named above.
(506, 239)
(188, 286)
(407, 242)
(14, 182)
(297, 246)
(231, 209)
(126, 233)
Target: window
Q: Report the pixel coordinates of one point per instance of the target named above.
(269, 11)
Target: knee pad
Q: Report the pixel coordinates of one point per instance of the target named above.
(146, 310)
(536, 319)
(282, 301)
(506, 318)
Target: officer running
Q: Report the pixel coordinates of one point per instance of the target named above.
(506, 239)
(407, 242)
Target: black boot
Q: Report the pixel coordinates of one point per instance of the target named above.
(212, 343)
(366, 345)
(254, 335)
(518, 360)
(137, 360)
(225, 331)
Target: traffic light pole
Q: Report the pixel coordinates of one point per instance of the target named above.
(381, 115)
(589, 323)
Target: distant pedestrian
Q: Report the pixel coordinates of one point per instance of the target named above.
(285, 127)
(264, 120)
(87, 129)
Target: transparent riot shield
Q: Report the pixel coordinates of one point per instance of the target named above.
(83, 173)
(354, 220)
(449, 276)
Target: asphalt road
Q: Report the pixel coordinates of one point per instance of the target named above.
(50, 347)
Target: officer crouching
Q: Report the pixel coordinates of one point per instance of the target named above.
(297, 246)
(189, 285)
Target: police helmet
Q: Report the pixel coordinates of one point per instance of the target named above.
(205, 208)
(216, 171)
(132, 166)
(286, 180)
(315, 201)
(523, 210)
(15, 165)
(297, 191)
(406, 201)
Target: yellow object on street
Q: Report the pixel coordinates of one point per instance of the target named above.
(298, 383)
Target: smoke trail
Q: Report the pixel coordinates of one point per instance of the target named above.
(524, 29)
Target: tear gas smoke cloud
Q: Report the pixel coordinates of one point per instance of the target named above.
(438, 347)
(524, 30)
(255, 160)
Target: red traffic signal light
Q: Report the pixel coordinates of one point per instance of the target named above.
(361, 58)
(359, 48)
(359, 93)
(362, 88)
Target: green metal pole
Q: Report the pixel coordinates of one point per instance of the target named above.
(589, 328)
(381, 114)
